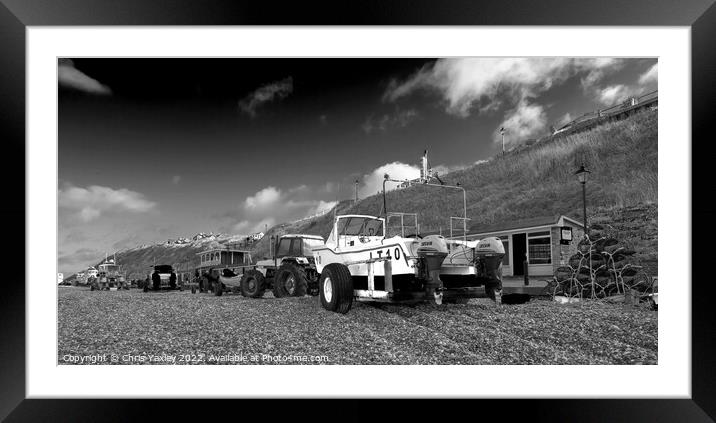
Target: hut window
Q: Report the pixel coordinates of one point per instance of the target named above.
(539, 248)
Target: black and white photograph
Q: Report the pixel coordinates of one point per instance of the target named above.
(358, 211)
(277, 204)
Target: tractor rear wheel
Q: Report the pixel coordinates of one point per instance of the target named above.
(336, 288)
(253, 284)
(290, 280)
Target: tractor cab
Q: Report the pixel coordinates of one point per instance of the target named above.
(297, 245)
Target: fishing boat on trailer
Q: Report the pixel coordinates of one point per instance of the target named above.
(360, 261)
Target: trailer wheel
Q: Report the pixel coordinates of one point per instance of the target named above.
(336, 288)
(193, 290)
(253, 284)
(91, 287)
(290, 280)
(146, 288)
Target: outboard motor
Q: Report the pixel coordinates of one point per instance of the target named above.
(432, 252)
(488, 259)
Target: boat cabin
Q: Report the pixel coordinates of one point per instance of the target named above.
(354, 229)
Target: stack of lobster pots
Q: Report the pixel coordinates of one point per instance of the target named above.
(602, 267)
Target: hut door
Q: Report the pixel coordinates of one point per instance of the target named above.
(519, 251)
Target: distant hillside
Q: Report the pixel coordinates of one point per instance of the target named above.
(537, 180)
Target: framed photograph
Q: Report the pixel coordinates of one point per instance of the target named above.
(241, 210)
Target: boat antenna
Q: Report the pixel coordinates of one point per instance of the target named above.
(385, 207)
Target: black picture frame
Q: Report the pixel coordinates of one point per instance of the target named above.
(699, 15)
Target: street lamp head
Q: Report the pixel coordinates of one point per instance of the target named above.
(582, 174)
(386, 176)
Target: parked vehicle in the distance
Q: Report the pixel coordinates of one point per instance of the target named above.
(109, 277)
(163, 278)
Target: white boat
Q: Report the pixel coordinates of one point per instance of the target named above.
(401, 267)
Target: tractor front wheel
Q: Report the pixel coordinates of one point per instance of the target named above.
(253, 284)
(290, 281)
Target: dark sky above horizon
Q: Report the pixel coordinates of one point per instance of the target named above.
(151, 149)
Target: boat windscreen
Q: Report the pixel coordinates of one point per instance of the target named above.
(361, 226)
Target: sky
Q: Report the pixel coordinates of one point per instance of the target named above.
(156, 149)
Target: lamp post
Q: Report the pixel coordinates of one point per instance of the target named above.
(502, 132)
(582, 176)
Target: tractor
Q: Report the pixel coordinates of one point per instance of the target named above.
(291, 272)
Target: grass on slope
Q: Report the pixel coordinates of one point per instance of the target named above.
(535, 181)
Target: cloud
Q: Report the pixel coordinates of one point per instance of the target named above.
(482, 84)
(329, 187)
(325, 206)
(372, 183)
(614, 94)
(272, 205)
(445, 169)
(524, 121)
(89, 203)
(80, 259)
(565, 119)
(398, 119)
(70, 77)
(597, 69)
(487, 85)
(267, 197)
(651, 75)
(273, 91)
(176, 179)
